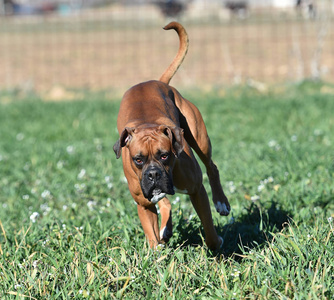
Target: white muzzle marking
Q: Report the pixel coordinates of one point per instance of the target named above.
(157, 197)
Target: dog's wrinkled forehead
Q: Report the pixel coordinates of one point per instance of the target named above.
(149, 141)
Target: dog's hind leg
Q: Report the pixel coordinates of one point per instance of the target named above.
(201, 204)
(218, 196)
(197, 137)
(219, 199)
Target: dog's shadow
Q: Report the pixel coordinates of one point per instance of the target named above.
(251, 229)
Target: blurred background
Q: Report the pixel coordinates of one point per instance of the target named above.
(49, 46)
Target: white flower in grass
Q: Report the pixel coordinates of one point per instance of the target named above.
(261, 187)
(267, 180)
(80, 187)
(255, 198)
(35, 263)
(236, 273)
(330, 219)
(317, 132)
(35, 215)
(263, 183)
(45, 208)
(46, 194)
(177, 200)
(270, 179)
(82, 174)
(272, 143)
(60, 164)
(108, 179)
(91, 204)
(64, 207)
(294, 138)
(20, 136)
(231, 187)
(326, 141)
(70, 149)
(25, 197)
(17, 286)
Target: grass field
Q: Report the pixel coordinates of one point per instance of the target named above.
(69, 228)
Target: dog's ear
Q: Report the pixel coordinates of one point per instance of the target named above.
(123, 140)
(175, 135)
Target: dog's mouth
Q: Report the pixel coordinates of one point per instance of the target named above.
(157, 195)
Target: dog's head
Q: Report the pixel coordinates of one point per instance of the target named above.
(152, 151)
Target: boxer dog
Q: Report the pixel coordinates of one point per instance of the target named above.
(158, 131)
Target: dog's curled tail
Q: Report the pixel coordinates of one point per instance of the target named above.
(178, 59)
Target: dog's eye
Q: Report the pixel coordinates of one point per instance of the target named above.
(164, 156)
(138, 161)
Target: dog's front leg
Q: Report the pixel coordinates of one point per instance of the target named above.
(166, 228)
(149, 220)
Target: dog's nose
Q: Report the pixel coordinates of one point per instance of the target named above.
(153, 174)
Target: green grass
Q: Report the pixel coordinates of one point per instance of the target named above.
(69, 228)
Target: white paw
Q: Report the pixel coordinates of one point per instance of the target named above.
(222, 208)
(165, 234)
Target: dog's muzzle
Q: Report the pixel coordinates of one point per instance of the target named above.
(155, 184)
